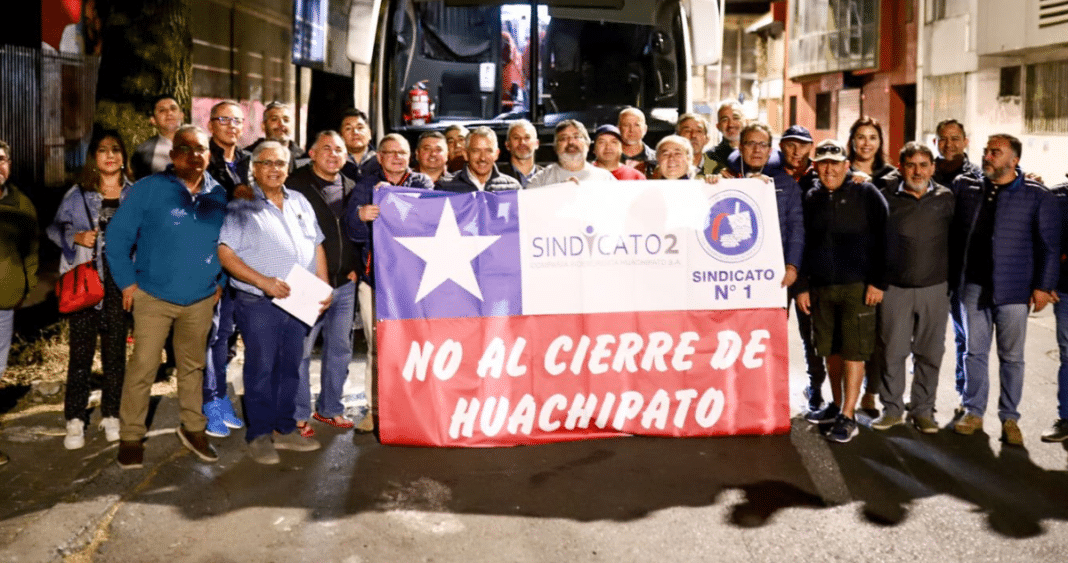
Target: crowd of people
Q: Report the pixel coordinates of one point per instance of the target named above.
(194, 236)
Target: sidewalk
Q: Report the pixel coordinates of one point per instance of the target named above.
(887, 496)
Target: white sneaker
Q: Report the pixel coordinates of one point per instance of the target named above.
(110, 426)
(75, 434)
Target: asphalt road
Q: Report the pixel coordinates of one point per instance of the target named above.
(886, 496)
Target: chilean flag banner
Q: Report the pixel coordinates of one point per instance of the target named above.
(575, 312)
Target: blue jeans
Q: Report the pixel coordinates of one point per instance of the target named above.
(959, 338)
(222, 328)
(336, 327)
(7, 330)
(273, 340)
(1060, 311)
(1010, 323)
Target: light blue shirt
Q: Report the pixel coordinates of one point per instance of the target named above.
(271, 240)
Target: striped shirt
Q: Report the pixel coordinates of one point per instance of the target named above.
(271, 240)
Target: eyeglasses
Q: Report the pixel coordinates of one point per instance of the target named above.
(186, 149)
(829, 149)
(272, 163)
(665, 155)
(756, 145)
(4, 159)
(226, 120)
(569, 138)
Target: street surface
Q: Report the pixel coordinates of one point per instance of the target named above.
(886, 496)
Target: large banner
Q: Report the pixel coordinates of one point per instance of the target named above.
(575, 312)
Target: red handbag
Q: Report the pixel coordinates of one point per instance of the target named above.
(80, 288)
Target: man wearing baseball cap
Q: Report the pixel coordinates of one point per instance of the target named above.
(795, 146)
(607, 151)
(843, 278)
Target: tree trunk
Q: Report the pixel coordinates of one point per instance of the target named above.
(147, 53)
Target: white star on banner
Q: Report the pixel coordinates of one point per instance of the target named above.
(448, 255)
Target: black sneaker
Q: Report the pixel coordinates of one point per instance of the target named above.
(824, 415)
(814, 398)
(1058, 432)
(843, 430)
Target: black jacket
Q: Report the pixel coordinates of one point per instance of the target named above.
(845, 235)
(917, 236)
(462, 182)
(227, 178)
(946, 177)
(340, 252)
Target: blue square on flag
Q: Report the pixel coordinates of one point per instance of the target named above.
(443, 255)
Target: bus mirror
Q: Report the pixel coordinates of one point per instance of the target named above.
(706, 37)
(363, 28)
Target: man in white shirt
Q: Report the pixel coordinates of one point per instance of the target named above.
(572, 143)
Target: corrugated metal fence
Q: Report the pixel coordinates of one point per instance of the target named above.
(46, 113)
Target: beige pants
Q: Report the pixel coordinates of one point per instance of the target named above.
(366, 296)
(153, 319)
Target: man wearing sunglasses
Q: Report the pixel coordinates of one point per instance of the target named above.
(843, 278)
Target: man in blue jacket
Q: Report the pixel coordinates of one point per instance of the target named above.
(1058, 432)
(1006, 246)
(754, 159)
(172, 219)
(360, 210)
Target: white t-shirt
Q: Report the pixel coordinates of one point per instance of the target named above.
(555, 174)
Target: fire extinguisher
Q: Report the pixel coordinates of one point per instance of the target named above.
(418, 105)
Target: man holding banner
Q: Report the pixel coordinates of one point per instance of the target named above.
(393, 154)
(572, 142)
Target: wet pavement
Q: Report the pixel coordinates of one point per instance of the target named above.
(885, 496)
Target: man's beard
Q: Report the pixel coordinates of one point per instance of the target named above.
(571, 158)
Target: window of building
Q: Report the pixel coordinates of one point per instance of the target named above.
(936, 10)
(1046, 106)
(833, 35)
(1010, 82)
(944, 99)
(823, 111)
(793, 110)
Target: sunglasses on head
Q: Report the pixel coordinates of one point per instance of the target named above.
(829, 149)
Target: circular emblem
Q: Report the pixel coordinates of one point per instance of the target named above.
(732, 230)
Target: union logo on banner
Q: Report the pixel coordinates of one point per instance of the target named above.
(579, 312)
(733, 231)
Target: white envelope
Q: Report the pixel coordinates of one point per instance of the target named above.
(305, 294)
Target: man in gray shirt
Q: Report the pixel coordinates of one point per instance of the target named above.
(916, 302)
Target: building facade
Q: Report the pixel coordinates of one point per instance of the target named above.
(999, 67)
(849, 58)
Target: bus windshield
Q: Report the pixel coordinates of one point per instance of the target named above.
(480, 63)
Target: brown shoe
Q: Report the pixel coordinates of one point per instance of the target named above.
(1010, 433)
(366, 425)
(968, 424)
(131, 454)
(197, 442)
